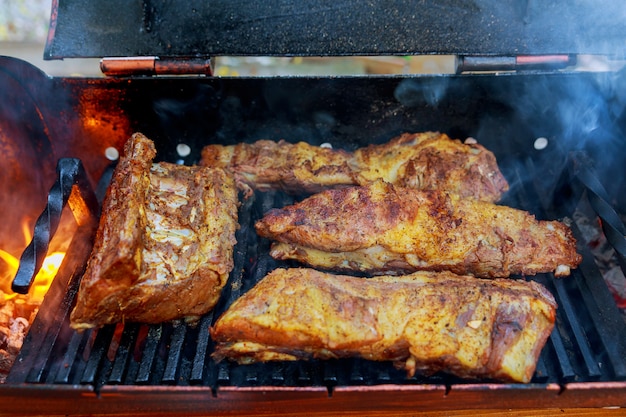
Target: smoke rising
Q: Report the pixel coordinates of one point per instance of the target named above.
(411, 92)
(588, 115)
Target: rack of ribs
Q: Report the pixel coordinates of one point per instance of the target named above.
(424, 322)
(425, 161)
(164, 245)
(380, 228)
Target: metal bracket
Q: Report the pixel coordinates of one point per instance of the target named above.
(71, 187)
(151, 65)
(513, 63)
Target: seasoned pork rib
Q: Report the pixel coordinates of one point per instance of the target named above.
(164, 245)
(424, 322)
(385, 229)
(422, 160)
(268, 165)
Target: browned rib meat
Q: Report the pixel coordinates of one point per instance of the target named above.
(380, 228)
(295, 168)
(425, 161)
(164, 245)
(425, 322)
(433, 161)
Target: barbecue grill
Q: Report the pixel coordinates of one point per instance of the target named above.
(558, 134)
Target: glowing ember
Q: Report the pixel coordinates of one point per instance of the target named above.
(17, 311)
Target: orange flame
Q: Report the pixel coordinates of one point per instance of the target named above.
(42, 280)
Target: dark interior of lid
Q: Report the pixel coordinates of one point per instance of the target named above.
(331, 28)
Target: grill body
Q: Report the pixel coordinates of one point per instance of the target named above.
(168, 367)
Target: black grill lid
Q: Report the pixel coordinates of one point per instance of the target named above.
(163, 28)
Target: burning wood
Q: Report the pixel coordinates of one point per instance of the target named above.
(18, 311)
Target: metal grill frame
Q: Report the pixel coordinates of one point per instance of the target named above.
(103, 381)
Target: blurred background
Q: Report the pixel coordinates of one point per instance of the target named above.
(23, 31)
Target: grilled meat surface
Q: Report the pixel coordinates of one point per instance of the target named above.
(425, 161)
(163, 249)
(425, 322)
(385, 229)
(295, 168)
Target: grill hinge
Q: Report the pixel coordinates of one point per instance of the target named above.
(151, 65)
(513, 63)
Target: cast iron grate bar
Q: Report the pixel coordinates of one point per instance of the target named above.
(223, 374)
(330, 370)
(591, 366)
(202, 347)
(139, 333)
(568, 346)
(356, 373)
(149, 353)
(278, 375)
(383, 376)
(250, 376)
(606, 320)
(76, 344)
(566, 370)
(174, 353)
(97, 354)
(44, 356)
(123, 353)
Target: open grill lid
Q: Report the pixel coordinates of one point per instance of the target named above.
(195, 28)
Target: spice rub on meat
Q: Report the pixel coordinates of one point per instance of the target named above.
(425, 161)
(384, 229)
(163, 249)
(424, 322)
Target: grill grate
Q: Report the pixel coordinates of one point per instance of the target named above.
(586, 346)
